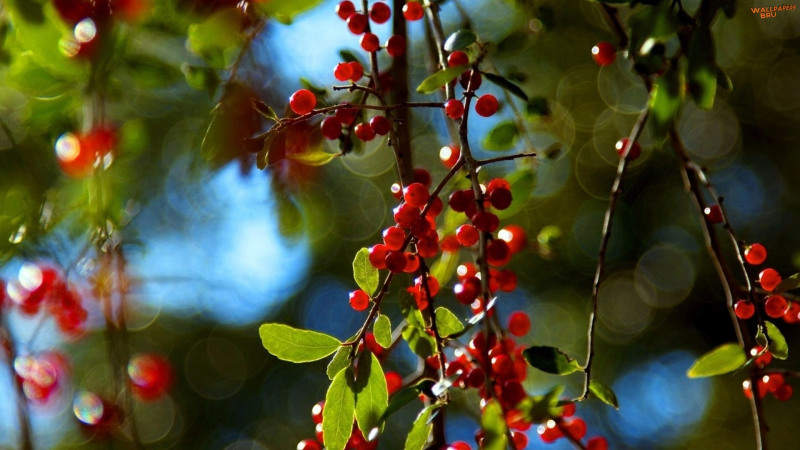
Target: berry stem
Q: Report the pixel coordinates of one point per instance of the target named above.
(23, 414)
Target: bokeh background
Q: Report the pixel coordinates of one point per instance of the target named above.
(216, 248)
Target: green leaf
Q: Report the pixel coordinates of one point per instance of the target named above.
(399, 400)
(313, 158)
(296, 345)
(493, 424)
(337, 416)
(723, 80)
(217, 39)
(365, 274)
(501, 137)
(551, 360)
(372, 397)
(651, 22)
(285, 10)
(443, 268)
(777, 344)
(507, 85)
(788, 283)
(537, 107)
(348, 56)
(339, 361)
(440, 78)
(723, 359)
(539, 408)
(604, 393)
(761, 339)
(383, 331)
(447, 323)
(702, 71)
(414, 332)
(522, 182)
(201, 78)
(665, 101)
(460, 39)
(420, 430)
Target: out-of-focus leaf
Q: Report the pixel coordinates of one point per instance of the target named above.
(420, 430)
(400, 399)
(217, 39)
(414, 332)
(788, 283)
(723, 359)
(651, 22)
(702, 71)
(201, 78)
(494, 425)
(382, 329)
(296, 345)
(365, 274)
(665, 101)
(539, 408)
(501, 137)
(777, 343)
(313, 158)
(723, 80)
(604, 393)
(507, 85)
(537, 107)
(443, 268)
(513, 43)
(372, 397)
(447, 323)
(440, 78)
(459, 40)
(233, 121)
(551, 360)
(285, 10)
(340, 405)
(522, 182)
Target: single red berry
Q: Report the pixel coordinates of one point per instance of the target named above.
(597, 443)
(769, 279)
(346, 115)
(435, 208)
(420, 227)
(486, 221)
(549, 433)
(502, 365)
(395, 261)
(308, 444)
(755, 254)
(316, 412)
(744, 309)
(459, 201)
(380, 12)
(449, 154)
(497, 183)
(519, 323)
(427, 248)
(520, 440)
(792, 315)
(783, 393)
(343, 71)
(412, 11)
(358, 71)
(475, 378)
(393, 238)
(302, 101)
(454, 110)
(459, 445)
(497, 253)
(471, 80)
(416, 194)
(423, 177)
(405, 214)
(412, 263)
(364, 132)
(345, 9)
(457, 58)
(467, 235)
(775, 306)
(486, 105)
(377, 256)
(506, 280)
(764, 359)
(577, 428)
(380, 125)
(773, 381)
(318, 433)
(331, 127)
(359, 300)
(515, 237)
(467, 290)
(393, 382)
(635, 151)
(396, 46)
(370, 42)
(604, 53)
(500, 198)
(713, 214)
(568, 410)
(357, 23)
(150, 376)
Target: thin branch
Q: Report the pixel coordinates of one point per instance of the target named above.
(483, 162)
(610, 14)
(23, 413)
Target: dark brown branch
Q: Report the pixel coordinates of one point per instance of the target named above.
(483, 162)
(400, 95)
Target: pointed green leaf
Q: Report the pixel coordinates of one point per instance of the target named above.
(493, 424)
(365, 274)
(414, 332)
(313, 158)
(501, 137)
(443, 268)
(217, 38)
(372, 396)
(339, 361)
(723, 359)
(383, 331)
(420, 430)
(551, 360)
(777, 344)
(604, 393)
(539, 408)
(789, 283)
(702, 71)
(459, 40)
(296, 345)
(285, 10)
(761, 338)
(447, 323)
(723, 80)
(665, 101)
(440, 78)
(348, 56)
(507, 85)
(337, 416)
(400, 399)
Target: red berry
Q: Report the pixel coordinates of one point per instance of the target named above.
(604, 53)
(459, 445)
(370, 42)
(150, 376)
(435, 208)
(316, 412)
(405, 214)
(597, 443)
(467, 290)
(792, 315)
(744, 309)
(471, 80)
(331, 127)
(357, 23)
(775, 306)
(769, 279)
(635, 151)
(380, 125)
(500, 198)
(359, 300)
(395, 261)
(519, 323)
(358, 71)
(412, 263)
(486, 105)
(568, 410)
(486, 221)
(380, 12)
(345, 9)
(416, 194)
(755, 254)
(497, 183)
(457, 58)
(459, 201)
(394, 237)
(549, 433)
(302, 101)
(308, 444)
(520, 440)
(515, 237)
(396, 46)
(412, 11)
(346, 115)
(393, 382)
(497, 253)
(783, 393)
(467, 235)
(377, 256)
(507, 280)
(762, 360)
(475, 378)
(423, 177)
(502, 365)
(713, 214)
(577, 428)
(343, 71)
(364, 132)
(454, 110)
(449, 154)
